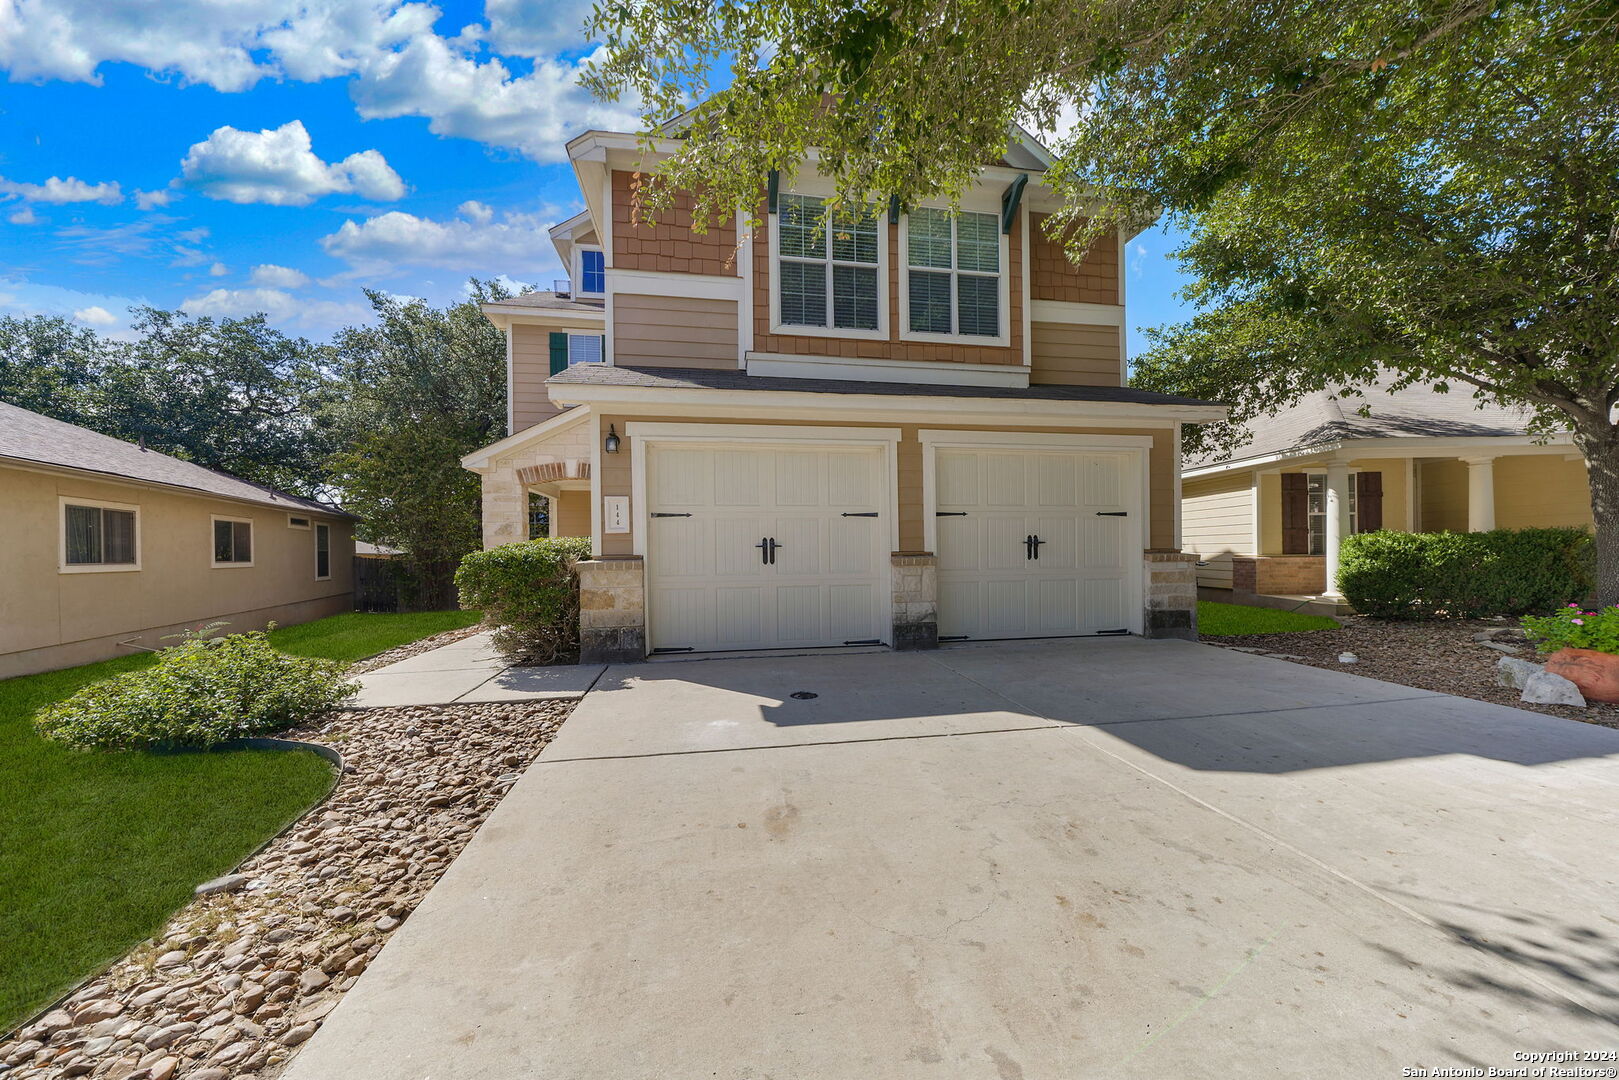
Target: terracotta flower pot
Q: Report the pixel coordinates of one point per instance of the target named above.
(1595, 673)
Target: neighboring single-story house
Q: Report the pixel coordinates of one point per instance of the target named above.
(904, 427)
(106, 547)
(1262, 520)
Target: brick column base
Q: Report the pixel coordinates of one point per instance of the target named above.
(916, 601)
(1171, 595)
(612, 609)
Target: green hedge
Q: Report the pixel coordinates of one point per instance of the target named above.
(199, 693)
(529, 591)
(1397, 575)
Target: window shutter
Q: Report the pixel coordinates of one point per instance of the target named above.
(559, 351)
(1368, 501)
(1295, 513)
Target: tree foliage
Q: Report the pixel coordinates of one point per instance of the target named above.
(1418, 193)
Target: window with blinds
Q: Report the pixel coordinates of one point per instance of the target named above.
(585, 348)
(98, 536)
(953, 266)
(826, 267)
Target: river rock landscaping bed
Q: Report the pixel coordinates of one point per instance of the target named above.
(1441, 656)
(243, 975)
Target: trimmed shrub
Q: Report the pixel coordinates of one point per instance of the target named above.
(1396, 575)
(199, 693)
(530, 592)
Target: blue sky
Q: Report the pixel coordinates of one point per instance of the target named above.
(282, 155)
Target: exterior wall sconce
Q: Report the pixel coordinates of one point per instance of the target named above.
(610, 444)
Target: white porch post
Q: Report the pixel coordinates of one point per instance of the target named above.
(1480, 494)
(1337, 521)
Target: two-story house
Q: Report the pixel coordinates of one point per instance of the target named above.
(897, 428)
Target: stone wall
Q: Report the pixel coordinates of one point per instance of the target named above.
(916, 601)
(612, 610)
(1171, 595)
(1279, 575)
(505, 498)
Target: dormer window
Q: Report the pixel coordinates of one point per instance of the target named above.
(953, 273)
(592, 272)
(828, 267)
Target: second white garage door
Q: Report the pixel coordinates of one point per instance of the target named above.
(754, 547)
(1038, 543)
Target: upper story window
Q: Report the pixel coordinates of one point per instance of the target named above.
(827, 265)
(99, 536)
(953, 272)
(570, 348)
(592, 272)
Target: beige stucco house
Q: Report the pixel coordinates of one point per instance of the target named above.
(1266, 521)
(105, 547)
(894, 429)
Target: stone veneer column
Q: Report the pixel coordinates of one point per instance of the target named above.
(1171, 595)
(916, 601)
(612, 609)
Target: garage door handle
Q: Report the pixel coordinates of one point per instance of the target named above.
(1113, 513)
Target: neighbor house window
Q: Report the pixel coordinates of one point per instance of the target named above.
(99, 536)
(592, 271)
(323, 552)
(294, 522)
(953, 268)
(826, 267)
(1316, 512)
(233, 542)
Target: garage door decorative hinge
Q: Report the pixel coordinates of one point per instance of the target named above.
(950, 513)
(671, 515)
(868, 513)
(1113, 513)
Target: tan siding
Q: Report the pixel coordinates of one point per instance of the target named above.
(1444, 496)
(615, 473)
(1052, 276)
(669, 246)
(892, 348)
(531, 366)
(1217, 523)
(1393, 470)
(1270, 514)
(1541, 490)
(673, 331)
(1075, 354)
(50, 619)
(572, 510)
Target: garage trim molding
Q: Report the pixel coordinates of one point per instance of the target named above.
(932, 440)
(644, 434)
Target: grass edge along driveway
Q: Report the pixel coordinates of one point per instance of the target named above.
(100, 848)
(1232, 620)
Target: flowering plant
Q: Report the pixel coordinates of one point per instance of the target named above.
(1572, 627)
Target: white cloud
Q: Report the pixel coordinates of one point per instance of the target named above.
(25, 216)
(278, 277)
(95, 315)
(278, 166)
(20, 296)
(58, 190)
(470, 244)
(146, 200)
(321, 316)
(398, 65)
(473, 210)
(219, 269)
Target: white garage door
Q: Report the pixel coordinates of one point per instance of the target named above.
(755, 547)
(1037, 543)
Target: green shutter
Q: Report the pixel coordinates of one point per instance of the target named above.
(559, 351)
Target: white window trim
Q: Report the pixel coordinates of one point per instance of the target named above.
(585, 334)
(1004, 338)
(578, 268)
(315, 532)
(292, 520)
(253, 542)
(1354, 510)
(62, 566)
(882, 268)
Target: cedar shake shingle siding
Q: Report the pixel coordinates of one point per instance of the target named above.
(670, 246)
(1052, 276)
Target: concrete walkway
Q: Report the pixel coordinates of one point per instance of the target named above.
(1097, 859)
(469, 671)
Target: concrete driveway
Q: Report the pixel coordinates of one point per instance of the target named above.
(1100, 858)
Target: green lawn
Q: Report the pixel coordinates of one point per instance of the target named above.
(96, 850)
(1230, 620)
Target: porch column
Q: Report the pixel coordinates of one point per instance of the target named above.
(1337, 522)
(1480, 494)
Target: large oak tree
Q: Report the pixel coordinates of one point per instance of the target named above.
(1427, 189)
